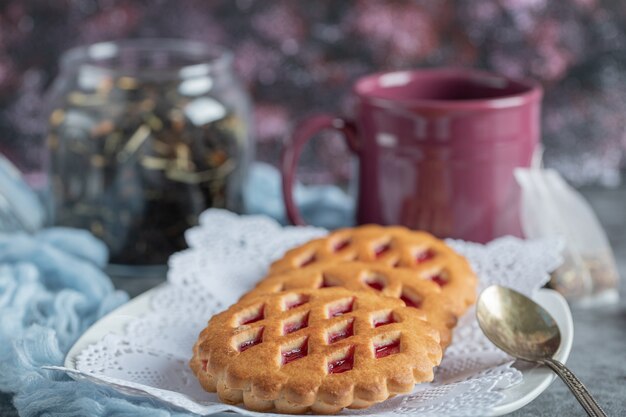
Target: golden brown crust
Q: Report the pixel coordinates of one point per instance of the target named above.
(293, 345)
(244, 353)
(396, 247)
(403, 283)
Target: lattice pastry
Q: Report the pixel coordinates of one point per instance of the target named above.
(315, 350)
(406, 284)
(396, 247)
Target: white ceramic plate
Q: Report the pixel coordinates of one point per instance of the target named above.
(536, 379)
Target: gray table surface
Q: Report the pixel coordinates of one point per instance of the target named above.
(598, 356)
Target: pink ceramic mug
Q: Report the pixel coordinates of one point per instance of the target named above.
(437, 149)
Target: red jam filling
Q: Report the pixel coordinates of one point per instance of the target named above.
(340, 309)
(341, 334)
(252, 342)
(424, 256)
(294, 326)
(343, 364)
(381, 250)
(387, 350)
(253, 319)
(308, 261)
(439, 280)
(381, 321)
(296, 302)
(295, 353)
(377, 285)
(410, 301)
(341, 245)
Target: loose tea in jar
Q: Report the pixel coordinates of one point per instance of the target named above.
(145, 135)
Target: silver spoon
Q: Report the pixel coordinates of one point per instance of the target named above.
(524, 330)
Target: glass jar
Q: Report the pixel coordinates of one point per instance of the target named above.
(145, 135)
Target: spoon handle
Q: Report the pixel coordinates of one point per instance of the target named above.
(578, 389)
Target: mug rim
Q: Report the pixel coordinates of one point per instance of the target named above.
(532, 90)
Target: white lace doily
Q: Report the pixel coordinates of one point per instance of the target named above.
(229, 253)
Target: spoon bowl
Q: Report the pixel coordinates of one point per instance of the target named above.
(517, 325)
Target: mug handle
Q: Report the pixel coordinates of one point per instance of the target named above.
(291, 154)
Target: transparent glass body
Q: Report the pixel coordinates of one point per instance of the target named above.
(145, 135)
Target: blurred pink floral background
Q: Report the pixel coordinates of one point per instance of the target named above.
(299, 57)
